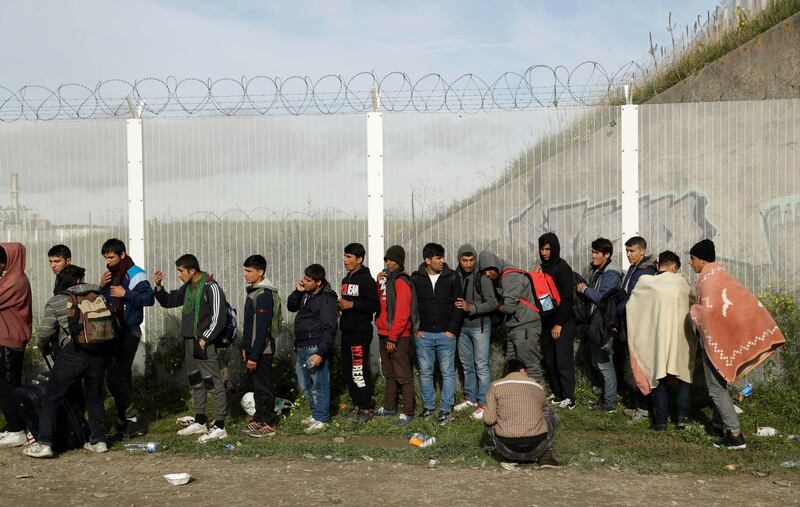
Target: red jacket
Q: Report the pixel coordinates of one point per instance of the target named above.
(401, 320)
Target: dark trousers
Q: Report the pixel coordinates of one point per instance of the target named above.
(10, 377)
(660, 396)
(356, 370)
(396, 367)
(71, 366)
(264, 391)
(517, 452)
(559, 359)
(120, 376)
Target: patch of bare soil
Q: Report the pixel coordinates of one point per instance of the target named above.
(80, 478)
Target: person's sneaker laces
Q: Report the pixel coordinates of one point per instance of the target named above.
(734, 443)
(567, 403)
(444, 417)
(264, 430)
(99, 447)
(193, 429)
(464, 405)
(38, 450)
(382, 412)
(404, 419)
(426, 412)
(14, 439)
(252, 426)
(477, 414)
(548, 460)
(315, 427)
(213, 433)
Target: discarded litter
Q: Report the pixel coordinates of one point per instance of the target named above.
(149, 447)
(421, 440)
(746, 391)
(737, 409)
(433, 463)
(511, 467)
(785, 484)
(760, 474)
(598, 460)
(367, 458)
(229, 447)
(309, 456)
(789, 464)
(766, 431)
(793, 438)
(178, 479)
(338, 440)
(731, 467)
(329, 456)
(24, 476)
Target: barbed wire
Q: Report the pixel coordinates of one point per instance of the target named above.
(588, 83)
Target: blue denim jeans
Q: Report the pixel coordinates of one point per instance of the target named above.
(606, 367)
(473, 350)
(430, 347)
(315, 383)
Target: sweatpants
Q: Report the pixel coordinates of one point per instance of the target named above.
(559, 358)
(396, 367)
(724, 413)
(356, 370)
(10, 377)
(523, 344)
(264, 391)
(204, 377)
(119, 377)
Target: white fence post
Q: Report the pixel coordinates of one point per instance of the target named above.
(629, 176)
(136, 206)
(375, 246)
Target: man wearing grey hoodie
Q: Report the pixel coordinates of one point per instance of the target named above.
(523, 324)
(478, 303)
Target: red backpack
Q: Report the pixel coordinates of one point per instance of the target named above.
(546, 297)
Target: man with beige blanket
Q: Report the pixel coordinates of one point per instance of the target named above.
(661, 339)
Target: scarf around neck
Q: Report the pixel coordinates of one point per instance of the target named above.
(192, 297)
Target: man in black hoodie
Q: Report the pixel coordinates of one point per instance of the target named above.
(314, 331)
(203, 318)
(558, 329)
(437, 323)
(358, 305)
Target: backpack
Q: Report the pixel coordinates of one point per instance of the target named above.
(546, 298)
(580, 308)
(276, 326)
(228, 335)
(91, 320)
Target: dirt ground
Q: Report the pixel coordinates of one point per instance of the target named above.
(80, 478)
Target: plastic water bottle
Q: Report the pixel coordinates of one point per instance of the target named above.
(746, 391)
(138, 447)
(421, 440)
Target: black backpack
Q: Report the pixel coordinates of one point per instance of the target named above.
(579, 305)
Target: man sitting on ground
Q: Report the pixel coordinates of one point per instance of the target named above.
(519, 422)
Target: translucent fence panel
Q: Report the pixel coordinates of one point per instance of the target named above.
(499, 180)
(726, 171)
(62, 182)
(290, 188)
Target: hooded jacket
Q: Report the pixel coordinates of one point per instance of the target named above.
(433, 310)
(213, 314)
(259, 308)
(53, 331)
(512, 288)
(315, 323)
(646, 266)
(602, 281)
(138, 294)
(478, 291)
(16, 318)
(562, 275)
(395, 290)
(359, 288)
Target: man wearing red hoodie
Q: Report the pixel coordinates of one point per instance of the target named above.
(394, 331)
(15, 331)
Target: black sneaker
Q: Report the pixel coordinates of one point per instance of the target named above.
(425, 413)
(548, 460)
(382, 412)
(608, 409)
(734, 443)
(364, 416)
(444, 417)
(658, 427)
(134, 429)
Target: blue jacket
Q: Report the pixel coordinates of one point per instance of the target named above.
(602, 281)
(646, 266)
(138, 294)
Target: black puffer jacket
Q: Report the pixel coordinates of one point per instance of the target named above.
(435, 311)
(315, 323)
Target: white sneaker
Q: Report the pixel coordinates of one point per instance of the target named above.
(13, 439)
(99, 447)
(213, 433)
(506, 465)
(193, 429)
(551, 397)
(478, 414)
(465, 405)
(316, 426)
(567, 403)
(309, 420)
(38, 450)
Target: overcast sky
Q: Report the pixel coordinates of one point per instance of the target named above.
(48, 42)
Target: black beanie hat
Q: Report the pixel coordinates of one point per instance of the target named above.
(704, 250)
(396, 253)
